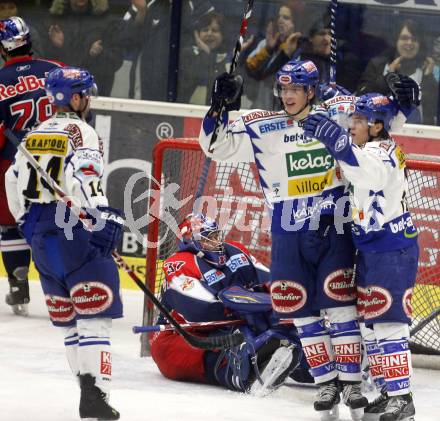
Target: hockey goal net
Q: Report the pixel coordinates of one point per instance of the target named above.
(233, 195)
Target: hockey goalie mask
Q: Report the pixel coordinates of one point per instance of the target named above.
(201, 235)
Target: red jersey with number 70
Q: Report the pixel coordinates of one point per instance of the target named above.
(23, 100)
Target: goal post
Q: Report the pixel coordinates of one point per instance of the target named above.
(233, 196)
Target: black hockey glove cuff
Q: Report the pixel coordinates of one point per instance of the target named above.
(226, 93)
(406, 90)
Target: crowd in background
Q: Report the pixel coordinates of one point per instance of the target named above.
(126, 44)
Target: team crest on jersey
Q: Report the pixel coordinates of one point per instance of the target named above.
(91, 297)
(213, 276)
(173, 267)
(60, 308)
(406, 302)
(339, 285)
(75, 135)
(287, 296)
(377, 301)
(237, 261)
(187, 284)
(360, 304)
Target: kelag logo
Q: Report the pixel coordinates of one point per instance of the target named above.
(311, 162)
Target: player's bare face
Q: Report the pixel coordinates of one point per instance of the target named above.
(211, 35)
(321, 42)
(359, 129)
(294, 98)
(408, 45)
(285, 22)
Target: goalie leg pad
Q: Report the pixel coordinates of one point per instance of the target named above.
(317, 348)
(346, 342)
(396, 356)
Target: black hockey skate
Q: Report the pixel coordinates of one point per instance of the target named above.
(399, 408)
(353, 398)
(327, 401)
(93, 404)
(18, 296)
(373, 410)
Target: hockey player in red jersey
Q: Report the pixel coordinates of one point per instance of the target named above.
(23, 104)
(211, 280)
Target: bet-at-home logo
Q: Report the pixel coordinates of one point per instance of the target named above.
(310, 162)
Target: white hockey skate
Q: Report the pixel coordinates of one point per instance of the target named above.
(283, 361)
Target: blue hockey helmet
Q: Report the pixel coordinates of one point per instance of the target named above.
(295, 72)
(14, 33)
(375, 107)
(201, 234)
(63, 82)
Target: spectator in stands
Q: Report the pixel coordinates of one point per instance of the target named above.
(203, 61)
(83, 34)
(278, 47)
(149, 24)
(408, 57)
(315, 48)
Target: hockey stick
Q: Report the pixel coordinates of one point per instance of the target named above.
(334, 43)
(243, 29)
(200, 325)
(214, 342)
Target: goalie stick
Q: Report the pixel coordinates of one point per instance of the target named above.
(243, 29)
(200, 325)
(215, 342)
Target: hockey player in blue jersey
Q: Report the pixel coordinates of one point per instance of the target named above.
(209, 279)
(23, 104)
(386, 238)
(312, 252)
(79, 278)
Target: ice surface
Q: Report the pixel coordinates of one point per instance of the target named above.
(36, 383)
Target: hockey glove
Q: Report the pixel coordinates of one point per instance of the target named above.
(335, 138)
(226, 93)
(325, 91)
(108, 227)
(406, 90)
